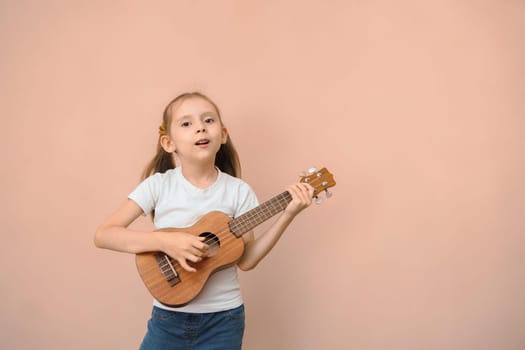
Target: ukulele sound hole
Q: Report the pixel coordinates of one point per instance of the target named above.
(212, 241)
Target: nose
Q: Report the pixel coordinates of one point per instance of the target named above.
(200, 128)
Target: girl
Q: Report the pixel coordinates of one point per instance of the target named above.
(195, 171)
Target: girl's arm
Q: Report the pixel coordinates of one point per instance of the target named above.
(114, 234)
(256, 249)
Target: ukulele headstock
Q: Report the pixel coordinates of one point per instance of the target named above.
(321, 180)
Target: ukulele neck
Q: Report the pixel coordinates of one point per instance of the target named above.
(249, 220)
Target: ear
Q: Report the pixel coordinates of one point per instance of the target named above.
(167, 144)
(224, 135)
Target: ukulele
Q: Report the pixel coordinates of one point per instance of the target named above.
(173, 286)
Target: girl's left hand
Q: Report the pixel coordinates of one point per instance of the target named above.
(301, 198)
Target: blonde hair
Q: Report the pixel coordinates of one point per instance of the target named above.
(227, 159)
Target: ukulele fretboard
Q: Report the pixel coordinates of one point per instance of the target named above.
(258, 215)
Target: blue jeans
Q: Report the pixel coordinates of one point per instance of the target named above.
(169, 330)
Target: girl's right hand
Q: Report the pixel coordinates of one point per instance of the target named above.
(184, 247)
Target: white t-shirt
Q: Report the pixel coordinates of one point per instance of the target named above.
(178, 203)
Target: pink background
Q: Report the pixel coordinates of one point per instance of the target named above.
(416, 107)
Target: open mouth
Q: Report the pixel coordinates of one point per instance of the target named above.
(202, 142)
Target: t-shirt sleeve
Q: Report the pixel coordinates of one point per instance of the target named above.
(248, 200)
(146, 194)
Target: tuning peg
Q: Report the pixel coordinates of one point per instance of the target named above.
(328, 193)
(312, 170)
(318, 200)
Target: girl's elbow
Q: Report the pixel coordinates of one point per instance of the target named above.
(98, 238)
(245, 266)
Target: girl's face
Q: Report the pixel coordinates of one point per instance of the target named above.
(196, 132)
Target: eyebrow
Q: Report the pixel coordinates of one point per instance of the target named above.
(204, 114)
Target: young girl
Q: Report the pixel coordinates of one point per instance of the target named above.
(195, 171)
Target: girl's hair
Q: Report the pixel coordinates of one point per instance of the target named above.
(227, 159)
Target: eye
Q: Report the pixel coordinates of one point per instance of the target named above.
(209, 120)
(185, 124)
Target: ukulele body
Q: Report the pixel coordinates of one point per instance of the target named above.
(173, 286)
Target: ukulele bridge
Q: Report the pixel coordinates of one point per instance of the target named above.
(167, 269)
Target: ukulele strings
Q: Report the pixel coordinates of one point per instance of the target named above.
(254, 216)
(267, 208)
(210, 241)
(265, 211)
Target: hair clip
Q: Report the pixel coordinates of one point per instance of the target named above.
(162, 130)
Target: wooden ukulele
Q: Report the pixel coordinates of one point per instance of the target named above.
(173, 286)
